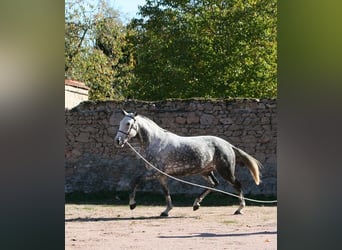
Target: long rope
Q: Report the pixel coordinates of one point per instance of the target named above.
(194, 184)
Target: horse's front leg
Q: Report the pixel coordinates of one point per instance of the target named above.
(169, 206)
(134, 185)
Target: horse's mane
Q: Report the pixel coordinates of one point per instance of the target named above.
(152, 123)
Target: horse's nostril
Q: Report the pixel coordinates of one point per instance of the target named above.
(118, 140)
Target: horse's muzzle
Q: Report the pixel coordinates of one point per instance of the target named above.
(119, 142)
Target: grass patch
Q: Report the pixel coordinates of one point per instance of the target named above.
(228, 222)
(88, 208)
(158, 199)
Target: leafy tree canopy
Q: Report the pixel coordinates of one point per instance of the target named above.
(178, 49)
(96, 49)
(205, 48)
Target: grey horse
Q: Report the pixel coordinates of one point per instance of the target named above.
(183, 156)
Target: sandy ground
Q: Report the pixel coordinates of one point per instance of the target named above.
(117, 227)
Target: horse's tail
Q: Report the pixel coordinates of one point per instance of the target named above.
(253, 164)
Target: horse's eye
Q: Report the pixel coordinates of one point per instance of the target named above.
(127, 124)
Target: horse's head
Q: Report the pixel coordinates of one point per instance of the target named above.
(127, 130)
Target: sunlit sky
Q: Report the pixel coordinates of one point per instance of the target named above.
(128, 8)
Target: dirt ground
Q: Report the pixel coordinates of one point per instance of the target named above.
(117, 227)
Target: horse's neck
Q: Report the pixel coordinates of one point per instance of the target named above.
(149, 131)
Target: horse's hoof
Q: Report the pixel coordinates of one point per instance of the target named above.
(132, 206)
(163, 214)
(195, 207)
(238, 212)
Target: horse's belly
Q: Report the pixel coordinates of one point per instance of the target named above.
(184, 168)
(185, 160)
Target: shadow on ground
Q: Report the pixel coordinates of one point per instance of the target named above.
(149, 198)
(89, 219)
(213, 235)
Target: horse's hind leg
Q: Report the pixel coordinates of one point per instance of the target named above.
(214, 182)
(169, 206)
(237, 186)
(235, 183)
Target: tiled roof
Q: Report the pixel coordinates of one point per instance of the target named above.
(76, 84)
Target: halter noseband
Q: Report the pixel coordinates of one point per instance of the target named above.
(132, 127)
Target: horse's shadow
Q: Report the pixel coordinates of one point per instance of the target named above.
(195, 235)
(213, 235)
(91, 219)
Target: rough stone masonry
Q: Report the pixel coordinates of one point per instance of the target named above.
(93, 163)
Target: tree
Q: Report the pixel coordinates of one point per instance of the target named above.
(95, 49)
(206, 48)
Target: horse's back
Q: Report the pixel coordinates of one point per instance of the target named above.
(207, 149)
(210, 141)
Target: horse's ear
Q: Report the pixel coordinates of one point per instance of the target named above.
(124, 112)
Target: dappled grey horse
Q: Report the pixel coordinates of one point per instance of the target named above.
(183, 156)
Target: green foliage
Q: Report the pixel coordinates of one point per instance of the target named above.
(205, 48)
(96, 51)
(178, 49)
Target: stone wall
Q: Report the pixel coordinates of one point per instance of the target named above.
(93, 163)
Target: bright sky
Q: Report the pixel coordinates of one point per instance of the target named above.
(128, 8)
